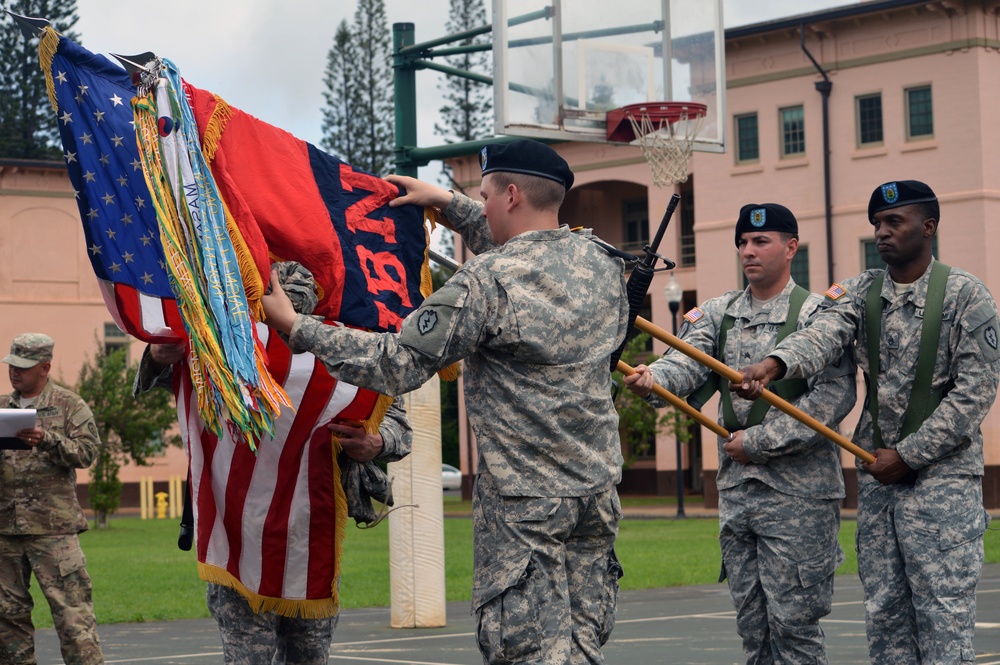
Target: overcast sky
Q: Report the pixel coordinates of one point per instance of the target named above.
(267, 57)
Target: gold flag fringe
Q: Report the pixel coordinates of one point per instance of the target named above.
(316, 608)
(47, 46)
(381, 407)
(221, 115)
(340, 525)
(433, 217)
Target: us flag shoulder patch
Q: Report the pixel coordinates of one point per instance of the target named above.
(835, 291)
(694, 315)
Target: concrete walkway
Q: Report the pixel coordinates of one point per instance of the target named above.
(684, 625)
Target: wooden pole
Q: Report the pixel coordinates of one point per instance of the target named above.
(735, 377)
(681, 405)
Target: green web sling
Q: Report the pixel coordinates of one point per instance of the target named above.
(787, 389)
(923, 400)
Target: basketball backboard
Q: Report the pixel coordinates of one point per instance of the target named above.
(561, 65)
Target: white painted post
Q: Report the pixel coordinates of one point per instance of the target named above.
(416, 534)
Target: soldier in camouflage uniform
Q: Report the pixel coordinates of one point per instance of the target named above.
(536, 316)
(40, 517)
(780, 483)
(920, 505)
(267, 638)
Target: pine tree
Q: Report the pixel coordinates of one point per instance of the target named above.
(339, 123)
(468, 114)
(373, 91)
(28, 125)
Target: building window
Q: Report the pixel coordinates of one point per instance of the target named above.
(800, 267)
(635, 224)
(872, 260)
(687, 258)
(869, 119)
(793, 131)
(919, 113)
(115, 339)
(747, 146)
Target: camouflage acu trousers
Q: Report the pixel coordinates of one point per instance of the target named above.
(267, 638)
(545, 583)
(779, 553)
(59, 566)
(920, 553)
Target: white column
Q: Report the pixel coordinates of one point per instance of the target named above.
(416, 534)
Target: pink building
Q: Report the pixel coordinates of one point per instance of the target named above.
(47, 285)
(895, 67)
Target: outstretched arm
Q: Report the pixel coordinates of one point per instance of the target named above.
(419, 193)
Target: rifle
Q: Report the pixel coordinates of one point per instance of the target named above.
(642, 276)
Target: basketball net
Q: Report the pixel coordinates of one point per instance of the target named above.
(667, 146)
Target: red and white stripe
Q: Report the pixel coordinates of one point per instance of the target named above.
(147, 318)
(269, 519)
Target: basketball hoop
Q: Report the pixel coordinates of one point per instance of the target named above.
(665, 131)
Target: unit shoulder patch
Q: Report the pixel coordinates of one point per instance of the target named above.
(427, 320)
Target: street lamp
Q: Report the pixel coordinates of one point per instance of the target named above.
(673, 293)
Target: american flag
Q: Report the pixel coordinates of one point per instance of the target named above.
(265, 523)
(102, 157)
(835, 291)
(694, 315)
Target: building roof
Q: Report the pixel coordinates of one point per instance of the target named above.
(832, 14)
(26, 164)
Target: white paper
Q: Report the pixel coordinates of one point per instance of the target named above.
(13, 421)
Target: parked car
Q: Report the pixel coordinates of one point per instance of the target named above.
(451, 478)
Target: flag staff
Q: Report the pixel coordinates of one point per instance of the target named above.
(735, 377)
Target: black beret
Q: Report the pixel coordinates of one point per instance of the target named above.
(896, 194)
(528, 157)
(765, 217)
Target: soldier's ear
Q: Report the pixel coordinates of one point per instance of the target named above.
(930, 227)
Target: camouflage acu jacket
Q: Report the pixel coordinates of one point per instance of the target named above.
(536, 321)
(38, 486)
(786, 455)
(966, 367)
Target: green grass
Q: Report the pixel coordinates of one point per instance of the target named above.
(139, 574)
